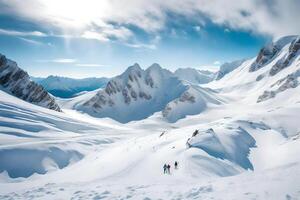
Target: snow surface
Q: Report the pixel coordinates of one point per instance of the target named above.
(243, 149)
(195, 76)
(227, 68)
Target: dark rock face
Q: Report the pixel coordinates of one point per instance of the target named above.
(17, 82)
(128, 87)
(285, 62)
(290, 81)
(265, 55)
(186, 96)
(266, 95)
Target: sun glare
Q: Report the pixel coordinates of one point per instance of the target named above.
(77, 13)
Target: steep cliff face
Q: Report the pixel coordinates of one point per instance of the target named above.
(268, 53)
(17, 82)
(290, 56)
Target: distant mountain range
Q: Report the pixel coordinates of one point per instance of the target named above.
(69, 87)
(137, 93)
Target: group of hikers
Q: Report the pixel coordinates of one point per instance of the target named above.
(167, 167)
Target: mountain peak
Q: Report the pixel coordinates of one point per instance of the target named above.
(135, 66)
(281, 42)
(133, 69)
(155, 65)
(18, 83)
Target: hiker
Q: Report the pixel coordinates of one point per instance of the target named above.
(176, 165)
(165, 168)
(169, 167)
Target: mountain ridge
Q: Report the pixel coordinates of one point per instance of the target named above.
(17, 82)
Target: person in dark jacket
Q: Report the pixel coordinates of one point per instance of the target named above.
(165, 168)
(176, 165)
(169, 167)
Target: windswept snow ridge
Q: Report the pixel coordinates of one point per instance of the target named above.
(212, 143)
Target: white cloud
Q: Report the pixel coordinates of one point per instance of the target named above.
(95, 35)
(59, 60)
(212, 68)
(273, 17)
(64, 60)
(30, 41)
(70, 61)
(89, 65)
(217, 62)
(20, 33)
(105, 33)
(141, 45)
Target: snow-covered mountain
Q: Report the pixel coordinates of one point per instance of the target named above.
(240, 138)
(17, 82)
(227, 68)
(273, 72)
(136, 94)
(69, 87)
(195, 76)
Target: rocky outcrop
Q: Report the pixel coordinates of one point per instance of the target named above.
(285, 61)
(268, 53)
(193, 101)
(128, 86)
(17, 82)
(265, 55)
(291, 81)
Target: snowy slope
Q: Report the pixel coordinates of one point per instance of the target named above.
(227, 68)
(17, 82)
(194, 76)
(38, 140)
(238, 145)
(68, 87)
(242, 149)
(193, 101)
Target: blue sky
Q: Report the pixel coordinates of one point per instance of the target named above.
(102, 38)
